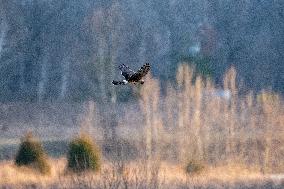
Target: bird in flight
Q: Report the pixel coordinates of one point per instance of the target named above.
(131, 76)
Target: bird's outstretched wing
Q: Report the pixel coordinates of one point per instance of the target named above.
(140, 73)
(119, 82)
(126, 71)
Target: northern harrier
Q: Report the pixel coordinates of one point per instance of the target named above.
(131, 76)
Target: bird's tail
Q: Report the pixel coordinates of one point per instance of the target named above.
(118, 82)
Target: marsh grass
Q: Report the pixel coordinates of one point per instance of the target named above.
(197, 120)
(238, 138)
(133, 175)
(83, 154)
(194, 167)
(32, 154)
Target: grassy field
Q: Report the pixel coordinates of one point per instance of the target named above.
(134, 175)
(148, 142)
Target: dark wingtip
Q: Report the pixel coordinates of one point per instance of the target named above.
(114, 82)
(147, 65)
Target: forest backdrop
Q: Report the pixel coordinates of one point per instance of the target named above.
(69, 50)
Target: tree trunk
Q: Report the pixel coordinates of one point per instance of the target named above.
(65, 77)
(43, 80)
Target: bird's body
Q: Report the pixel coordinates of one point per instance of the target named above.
(131, 76)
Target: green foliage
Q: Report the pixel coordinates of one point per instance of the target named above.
(32, 154)
(83, 155)
(194, 167)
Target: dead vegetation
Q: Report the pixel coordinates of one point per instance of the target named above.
(132, 175)
(238, 138)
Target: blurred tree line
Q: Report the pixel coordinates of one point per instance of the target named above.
(69, 50)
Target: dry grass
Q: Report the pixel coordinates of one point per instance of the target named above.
(125, 175)
(204, 122)
(11, 175)
(238, 137)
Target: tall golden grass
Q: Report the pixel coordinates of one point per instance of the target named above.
(129, 175)
(237, 137)
(217, 126)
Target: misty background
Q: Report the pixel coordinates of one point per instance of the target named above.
(69, 50)
(58, 57)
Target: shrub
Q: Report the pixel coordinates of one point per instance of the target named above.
(194, 167)
(83, 155)
(31, 154)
